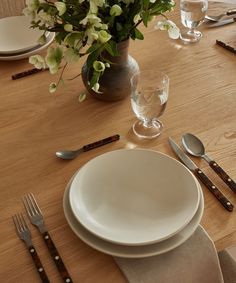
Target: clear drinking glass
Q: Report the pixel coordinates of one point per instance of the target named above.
(149, 95)
(192, 15)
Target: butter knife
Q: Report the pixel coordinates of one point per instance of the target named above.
(201, 176)
(220, 23)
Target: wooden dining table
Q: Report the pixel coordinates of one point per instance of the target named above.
(34, 124)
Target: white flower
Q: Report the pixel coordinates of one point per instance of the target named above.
(96, 87)
(103, 36)
(99, 66)
(52, 87)
(32, 5)
(71, 55)
(115, 10)
(61, 7)
(94, 4)
(45, 17)
(137, 18)
(68, 27)
(53, 59)
(91, 19)
(38, 61)
(169, 26)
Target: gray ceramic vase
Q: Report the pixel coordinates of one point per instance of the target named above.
(115, 82)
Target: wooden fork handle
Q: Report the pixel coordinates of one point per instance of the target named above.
(223, 175)
(38, 264)
(57, 259)
(213, 189)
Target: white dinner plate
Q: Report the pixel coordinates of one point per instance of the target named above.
(27, 54)
(131, 251)
(134, 196)
(16, 35)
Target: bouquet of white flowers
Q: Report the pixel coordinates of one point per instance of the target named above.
(90, 27)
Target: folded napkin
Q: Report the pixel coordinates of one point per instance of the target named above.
(195, 261)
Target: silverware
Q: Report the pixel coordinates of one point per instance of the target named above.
(23, 232)
(71, 154)
(201, 176)
(36, 218)
(220, 23)
(195, 147)
(219, 17)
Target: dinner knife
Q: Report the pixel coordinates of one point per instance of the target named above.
(200, 175)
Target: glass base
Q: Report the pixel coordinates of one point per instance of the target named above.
(191, 36)
(148, 132)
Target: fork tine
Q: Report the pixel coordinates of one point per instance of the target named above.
(28, 206)
(23, 222)
(15, 220)
(33, 200)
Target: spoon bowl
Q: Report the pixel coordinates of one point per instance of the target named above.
(193, 145)
(68, 154)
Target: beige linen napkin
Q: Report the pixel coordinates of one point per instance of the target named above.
(195, 261)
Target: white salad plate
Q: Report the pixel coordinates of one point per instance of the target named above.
(30, 52)
(134, 196)
(131, 251)
(16, 35)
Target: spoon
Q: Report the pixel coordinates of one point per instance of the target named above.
(219, 17)
(195, 147)
(71, 154)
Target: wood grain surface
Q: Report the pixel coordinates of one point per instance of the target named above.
(34, 124)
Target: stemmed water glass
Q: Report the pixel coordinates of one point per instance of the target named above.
(192, 15)
(149, 95)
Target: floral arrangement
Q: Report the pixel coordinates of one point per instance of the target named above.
(90, 27)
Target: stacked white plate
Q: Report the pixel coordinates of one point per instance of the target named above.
(18, 40)
(133, 203)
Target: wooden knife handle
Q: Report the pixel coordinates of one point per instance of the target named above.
(231, 12)
(213, 189)
(223, 175)
(38, 264)
(101, 142)
(57, 259)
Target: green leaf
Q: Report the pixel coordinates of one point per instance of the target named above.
(111, 48)
(138, 34)
(145, 17)
(93, 48)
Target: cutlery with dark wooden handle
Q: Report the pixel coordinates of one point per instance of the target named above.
(201, 176)
(23, 232)
(36, 218)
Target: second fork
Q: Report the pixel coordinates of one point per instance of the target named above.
(36, 218)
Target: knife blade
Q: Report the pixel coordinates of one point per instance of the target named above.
(220, 23)
(200, 175)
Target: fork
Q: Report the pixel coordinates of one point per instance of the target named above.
(36, 218)
(23, 232)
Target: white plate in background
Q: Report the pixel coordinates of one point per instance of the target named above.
(16, 35)
(30, 52)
